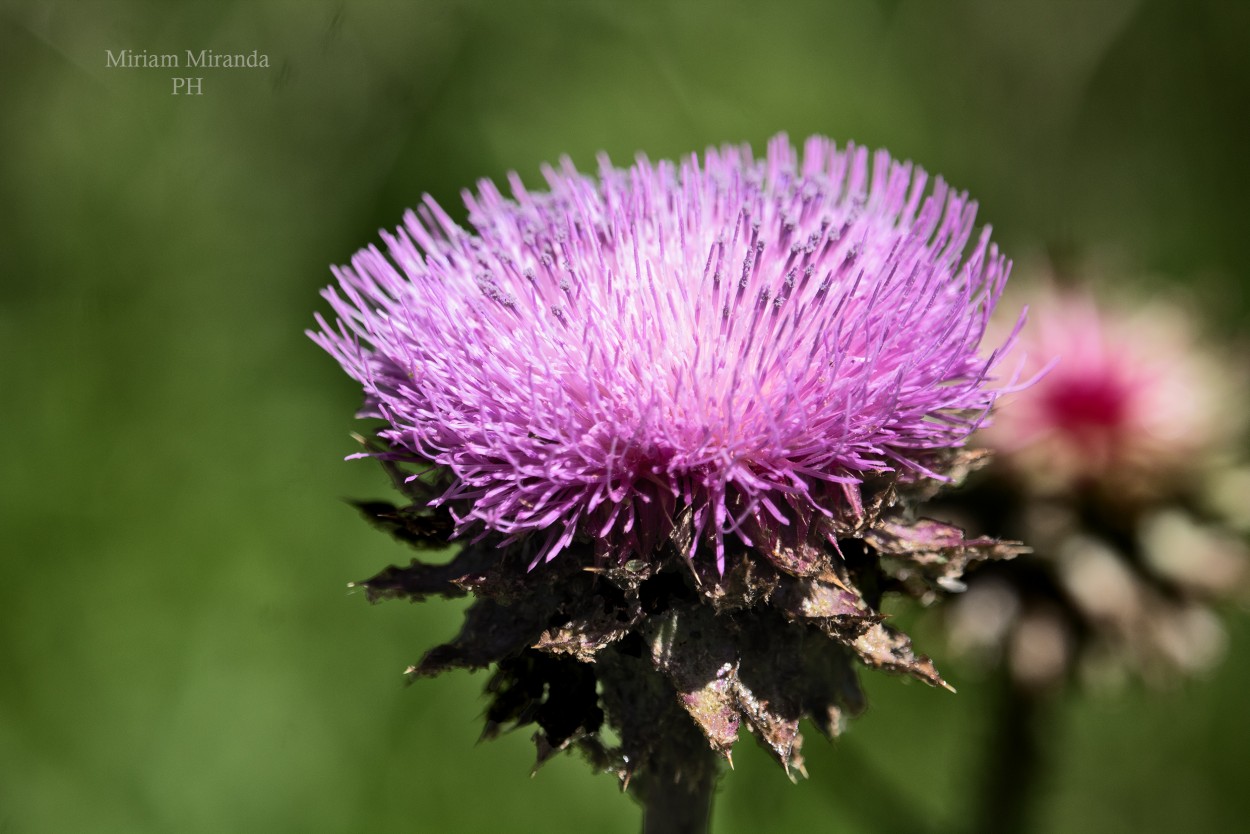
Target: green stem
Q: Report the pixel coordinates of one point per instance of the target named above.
(674, 768)
(677, 796)
(1015, 765)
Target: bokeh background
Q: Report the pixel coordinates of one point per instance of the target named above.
(178, 648)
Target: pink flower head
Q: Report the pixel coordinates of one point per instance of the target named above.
(728, 337)
(1130, 403)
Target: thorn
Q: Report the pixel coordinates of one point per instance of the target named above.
(489, 732)
(729, 757)
(689, 563)
(834, 580)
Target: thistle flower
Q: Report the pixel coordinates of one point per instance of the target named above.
(726, 336)
(678, 411)
(1103, 466)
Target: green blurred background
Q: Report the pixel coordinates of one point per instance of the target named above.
(178, 649)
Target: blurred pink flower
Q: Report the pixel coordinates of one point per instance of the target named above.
(1116, 468)
(1131, 402)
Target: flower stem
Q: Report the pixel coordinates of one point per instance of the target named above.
(677, 798)
(1015, 764)
(673, 768)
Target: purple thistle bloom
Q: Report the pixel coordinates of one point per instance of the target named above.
(770, 359)
(742, 339)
